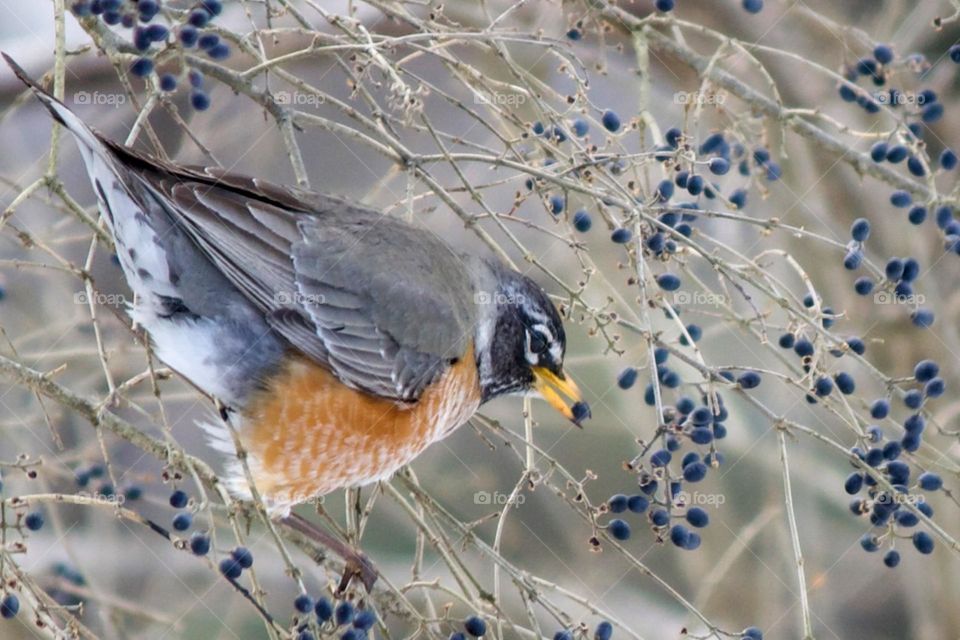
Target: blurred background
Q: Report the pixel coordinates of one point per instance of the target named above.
(133, 584)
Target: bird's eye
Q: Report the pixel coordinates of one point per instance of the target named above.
(538, 344)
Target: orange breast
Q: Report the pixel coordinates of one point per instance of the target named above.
(308, 434)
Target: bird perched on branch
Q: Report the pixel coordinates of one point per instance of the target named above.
(339, 342)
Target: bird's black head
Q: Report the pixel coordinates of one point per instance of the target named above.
(521, 344)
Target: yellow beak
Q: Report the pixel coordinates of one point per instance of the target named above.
(554, 388)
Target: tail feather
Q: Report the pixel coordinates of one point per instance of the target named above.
(60, 112)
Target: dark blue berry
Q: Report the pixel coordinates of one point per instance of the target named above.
(199, 18)
(787, 341)
(142, 67)
(749, 380)
(604, 631)
(344, 613)
(695, 185)
(923, 542)
(619, 529)
(323, 609)
(930, 481)
(856, 345)
(878, 152)
(923, 318)
(901, 199)
(880, 409)
(660, 458)
(668, 282)
(582, 221)
(182, 521)
(243, 557)
(178, 499)
(926, 370)
(665, 190)
(580, 127)
(618, 503)
(200, 544)
(475, 626)
(913, 399)
(9, 606)
(638, 504)
(365, 620)
(303, 603)
(33, 521)
(891, 558)
(208, 40)
(948, 160)
(215, 7)
(883, 53)
(897, 153)
(860, 230)
(697, 471)
(853, 259)
(189, 36)
(665, 5)
(934, 388)
(892, 450)
(230, 568)
(739, 198)
(219, 51)
(697, 517)
(823, 387)
(751, 633)
(168, 82)
(930, 114)
(627, 378)
(610, 121)
(869, 542)
(679, 535)
(200, 100)
(753, 6)
(621, 235)
(719, 166)
(915, 423)
(911, 269)
(557, 203)
(853, 483)
(845, 383)
(803, 348)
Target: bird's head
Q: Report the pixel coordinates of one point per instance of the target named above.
(521, 344)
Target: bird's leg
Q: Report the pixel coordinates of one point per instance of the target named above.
(356, 563)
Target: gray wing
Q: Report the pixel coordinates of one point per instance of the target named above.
(385, 306)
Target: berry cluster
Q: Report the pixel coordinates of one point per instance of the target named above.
(750, 6)
(152, 38)
(353, 623)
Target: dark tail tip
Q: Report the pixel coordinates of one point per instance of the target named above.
(20, 73)
(48, 100)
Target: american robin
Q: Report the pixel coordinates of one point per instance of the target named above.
(340, 342)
